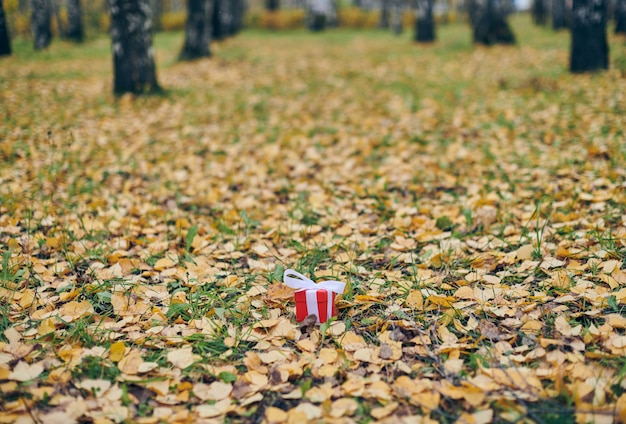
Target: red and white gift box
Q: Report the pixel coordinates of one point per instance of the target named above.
(313, 298)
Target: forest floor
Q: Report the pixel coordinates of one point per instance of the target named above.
(471, 198)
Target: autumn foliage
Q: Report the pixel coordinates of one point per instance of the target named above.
(471, 198)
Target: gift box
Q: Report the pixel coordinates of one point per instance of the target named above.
(313, 298)
(318, 302)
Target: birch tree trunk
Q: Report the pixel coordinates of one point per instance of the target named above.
(590, 48)
(395, 16)
(40, 17)
(133, 54)
(5, 41)
(197, 29)
(75, 29)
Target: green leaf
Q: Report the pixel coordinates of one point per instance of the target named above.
(612, 302)
(227, 377)
(191, 234)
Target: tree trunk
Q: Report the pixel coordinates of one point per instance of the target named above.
(620, 17)
(133, 54)
(491, 26)
(197, 30)
(425, 22)
(40, 22)
(384, 14)
(318, 13)
(559, 17)
(157, 14)
(5, 41)
(590, 49)
(239, 10)
(272, 5)
(75, 29)
(395, 17)
(540, 12)
(222, 19)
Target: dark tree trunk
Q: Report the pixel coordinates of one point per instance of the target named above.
(620, 17)
(40, 22)
(540, 12)
(590, 48)
(425, 22)
(490, 23)
(197, 29)
(384, 14)
(5, 41)
(318, 13)
(559, 16)
(395, 17)
(239, 10)
(222, 19)
(75, 29)
(272, 5)
(231, 11)
(133, 54)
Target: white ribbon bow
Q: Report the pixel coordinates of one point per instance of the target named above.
(304, 283)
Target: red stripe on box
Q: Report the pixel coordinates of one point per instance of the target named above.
(301, 312)
(322, 305)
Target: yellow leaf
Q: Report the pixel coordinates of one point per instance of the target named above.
(131, 362)
(384, 411)
(116, 353)
(445, 302)
(524, 252)
(217, 409)
(415, 300)
(46, 326)
(465, 292)
(74, 310)
(306, 345)
(53, 242)
(215, 391)
(27, 298)
(342, 407)
(164, 263)
(181, 358)
(275, 415)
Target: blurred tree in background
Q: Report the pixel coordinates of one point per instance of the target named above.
(5, 41)
(74, 29)
(620, 16)
(425, 21)
(197, 29)
(590, 47)
(559, 14)
(40, 23)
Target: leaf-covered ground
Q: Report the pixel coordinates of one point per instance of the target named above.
(472, 199)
